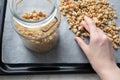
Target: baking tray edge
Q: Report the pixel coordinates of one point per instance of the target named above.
(25, 69)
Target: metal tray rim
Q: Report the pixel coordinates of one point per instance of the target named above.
(23, 69)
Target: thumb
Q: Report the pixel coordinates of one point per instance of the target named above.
(82, 44)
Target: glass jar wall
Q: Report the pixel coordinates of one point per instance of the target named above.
(36, 22)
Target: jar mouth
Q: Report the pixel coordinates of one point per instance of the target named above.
(49, 16)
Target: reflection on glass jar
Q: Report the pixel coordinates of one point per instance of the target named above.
(36, 23)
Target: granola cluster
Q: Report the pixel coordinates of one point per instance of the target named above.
(101, 11)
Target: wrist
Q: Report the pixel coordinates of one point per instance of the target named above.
(110, 73)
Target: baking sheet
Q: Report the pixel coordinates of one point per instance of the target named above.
(66, 51)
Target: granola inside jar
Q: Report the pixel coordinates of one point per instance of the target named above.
(36, 23)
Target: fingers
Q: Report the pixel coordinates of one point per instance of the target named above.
(91, 25)
(102, 34)
(84, 24)
(82, 44)
(100, 31)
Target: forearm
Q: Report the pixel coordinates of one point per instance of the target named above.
(113, 73)
(99, 51)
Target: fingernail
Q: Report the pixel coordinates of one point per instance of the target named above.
(85, 17)
(81, 23)
(76, 38)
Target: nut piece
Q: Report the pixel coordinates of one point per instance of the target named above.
(78, 34)
(35, 15)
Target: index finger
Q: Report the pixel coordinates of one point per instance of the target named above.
(91, 25)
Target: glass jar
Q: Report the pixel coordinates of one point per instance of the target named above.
(37, 35)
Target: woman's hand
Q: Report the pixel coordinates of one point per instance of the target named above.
(99, 51)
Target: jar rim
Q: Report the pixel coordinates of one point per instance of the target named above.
(28, 21)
